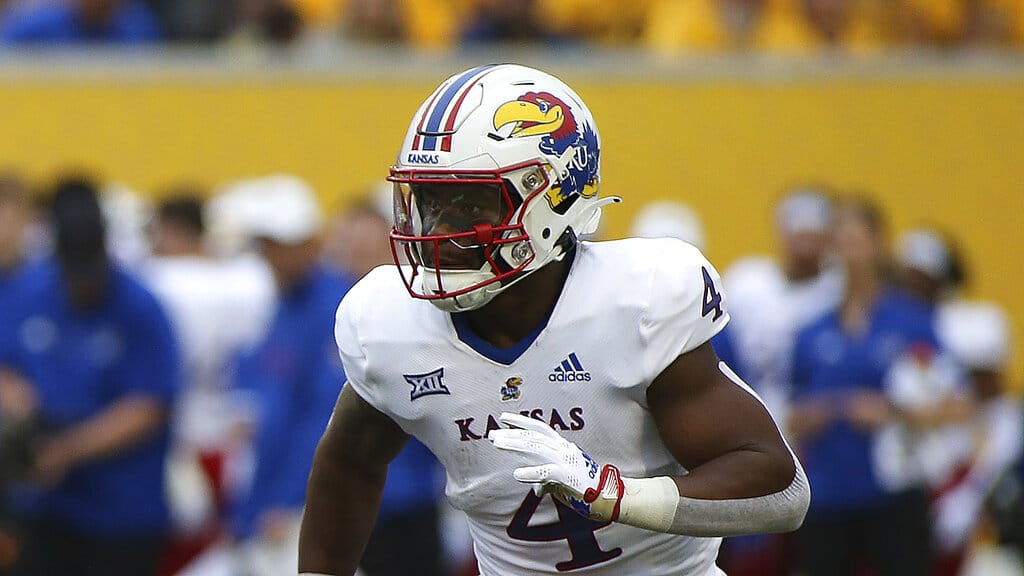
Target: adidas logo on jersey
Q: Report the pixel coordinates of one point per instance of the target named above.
(570, 370)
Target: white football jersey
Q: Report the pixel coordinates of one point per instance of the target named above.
(217, 307)
(627, 310)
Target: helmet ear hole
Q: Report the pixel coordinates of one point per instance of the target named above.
(546, 233)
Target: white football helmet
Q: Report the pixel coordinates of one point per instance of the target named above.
(498, 176)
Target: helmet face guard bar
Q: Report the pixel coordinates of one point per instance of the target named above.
(446, 247)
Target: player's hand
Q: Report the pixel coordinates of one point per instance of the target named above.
(560, 468)
(17, 398)
(868, 410)
(956, 516)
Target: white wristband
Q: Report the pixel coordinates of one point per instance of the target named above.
(649, 503)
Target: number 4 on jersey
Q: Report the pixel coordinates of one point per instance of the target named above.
(712, 299)
(576, 530)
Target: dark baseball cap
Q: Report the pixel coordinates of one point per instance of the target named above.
(79, 228)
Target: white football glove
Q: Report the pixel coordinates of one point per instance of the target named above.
(560, 468)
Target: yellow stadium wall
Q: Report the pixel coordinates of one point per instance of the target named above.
(948, 152)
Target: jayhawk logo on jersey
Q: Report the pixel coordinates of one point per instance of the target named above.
(544, 114)
(510, 391)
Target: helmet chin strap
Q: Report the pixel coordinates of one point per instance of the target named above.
(455, 280)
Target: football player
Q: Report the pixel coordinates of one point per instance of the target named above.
(568, 387)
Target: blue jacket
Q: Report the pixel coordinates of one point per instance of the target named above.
(79, 364)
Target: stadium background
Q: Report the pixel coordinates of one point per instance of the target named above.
(937, 139)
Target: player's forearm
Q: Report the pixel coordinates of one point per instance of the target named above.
(341, 505)
(721, 498)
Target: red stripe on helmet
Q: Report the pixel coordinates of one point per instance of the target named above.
(423, 118)
(446, 142)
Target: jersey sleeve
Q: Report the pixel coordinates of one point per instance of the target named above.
(353, 355)
(686, 307)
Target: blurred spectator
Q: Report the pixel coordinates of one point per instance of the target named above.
(79, 21)
(927, 267)
(357, 241)
(216, 307)
(829, 17)
(996, 23)
(386, 21)
(504, 21)
(95, 352)
(595, 20)
(870, 506)
(977, 334)
(668, 219)
(964, 462)
(776, 26)
(771, 299)
(320, 14)
(702, 25)
(127, 213)
(178, 228)
(280, 22)
(194, 20)
(794, 26)
(784, 28)
(274, 21)
(294, 373)
(939, 22)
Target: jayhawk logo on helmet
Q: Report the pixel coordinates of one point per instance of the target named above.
(544, 114)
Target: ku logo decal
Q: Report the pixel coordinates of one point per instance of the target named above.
(544, 114)
(426, 384)
(510, 391)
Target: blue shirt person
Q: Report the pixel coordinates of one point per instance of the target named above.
(83, 21)
(870, 504)
(100, 358)
(294, 376)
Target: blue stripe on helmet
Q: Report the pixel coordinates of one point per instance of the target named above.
(434, 124)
